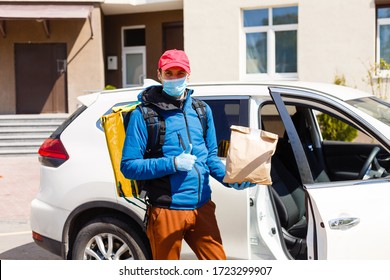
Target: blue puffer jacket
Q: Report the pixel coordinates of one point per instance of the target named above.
(166, 186)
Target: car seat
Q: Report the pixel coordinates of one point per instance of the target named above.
(314, 157)
(289, 198)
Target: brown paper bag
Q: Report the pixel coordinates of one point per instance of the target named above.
(249, 155)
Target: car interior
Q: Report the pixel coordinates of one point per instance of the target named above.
(361, 158)
(330, 159)
(287, 188)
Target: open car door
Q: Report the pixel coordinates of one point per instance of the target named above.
(349, 221)
(346, 219)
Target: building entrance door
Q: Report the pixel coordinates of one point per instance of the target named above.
(173, 37)
(40, 78)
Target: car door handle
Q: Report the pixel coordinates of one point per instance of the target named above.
(343, 223)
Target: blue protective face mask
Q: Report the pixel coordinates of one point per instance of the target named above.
(175, 87)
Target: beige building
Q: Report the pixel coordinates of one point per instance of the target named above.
(333, 39)
(53, 51)
(49, 54)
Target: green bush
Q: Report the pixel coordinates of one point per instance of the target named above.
(334, 129)
(339, 80)
(109, 87)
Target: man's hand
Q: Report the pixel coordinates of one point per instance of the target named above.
(185, 161)
(242, 186)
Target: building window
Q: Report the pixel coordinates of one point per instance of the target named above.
(133, 56)
(271, 41)
(383, 36)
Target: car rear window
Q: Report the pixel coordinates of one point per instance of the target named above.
(68, 121)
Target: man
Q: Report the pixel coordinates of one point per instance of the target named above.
(177, 178)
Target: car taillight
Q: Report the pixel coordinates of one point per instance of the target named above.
(37, 236)
(52, 152)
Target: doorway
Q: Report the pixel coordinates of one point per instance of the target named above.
(173, 37)
(40, 73)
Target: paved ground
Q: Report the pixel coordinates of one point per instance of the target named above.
(19, 183)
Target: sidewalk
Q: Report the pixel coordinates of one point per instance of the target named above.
(19, 183)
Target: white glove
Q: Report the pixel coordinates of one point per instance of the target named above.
(185, 161)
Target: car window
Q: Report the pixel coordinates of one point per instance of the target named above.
(68, 121)
(373, 106)
(225, 114)
(336, 147)
(271, 121)
(335, 129)
(347, 149)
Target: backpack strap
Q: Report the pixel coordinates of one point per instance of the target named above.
(200, 108)
(155, 124)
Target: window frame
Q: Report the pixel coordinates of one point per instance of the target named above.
(132, 50)
(380, 22)
(270, 30)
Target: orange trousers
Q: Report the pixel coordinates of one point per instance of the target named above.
(167, 228)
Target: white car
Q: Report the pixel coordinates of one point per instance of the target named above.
(333, 204)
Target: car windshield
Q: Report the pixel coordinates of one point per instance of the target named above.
(373, 106)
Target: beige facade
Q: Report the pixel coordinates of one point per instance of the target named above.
(334, 39)
(86, 61)
(89, 41)
(84, 47)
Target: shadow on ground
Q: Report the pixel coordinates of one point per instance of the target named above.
(29, 251)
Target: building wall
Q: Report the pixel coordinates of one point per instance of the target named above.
(213, 37)
(85, 71)
(86, 61)
(335, 38)
(153, 36)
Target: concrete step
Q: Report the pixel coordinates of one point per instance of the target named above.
(21, 152)
(34, 117)
(24, 134)
(15, 143)
(26, 127)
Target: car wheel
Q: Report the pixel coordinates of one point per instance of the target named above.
(108, 238)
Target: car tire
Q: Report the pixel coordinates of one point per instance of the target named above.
(108, 238)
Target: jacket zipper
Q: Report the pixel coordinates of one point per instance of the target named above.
(181, 142)
(190, 140)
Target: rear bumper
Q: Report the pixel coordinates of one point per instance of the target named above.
(51, 245)
(47, 223)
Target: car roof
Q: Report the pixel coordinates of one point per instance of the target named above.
(252, 88)
(243, 88)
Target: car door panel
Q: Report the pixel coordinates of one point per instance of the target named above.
(357, 203)
(233, 220)
(232, 212)
(342, 216)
